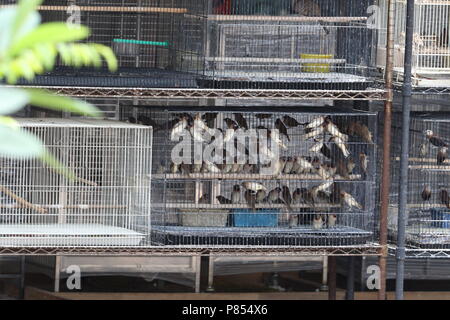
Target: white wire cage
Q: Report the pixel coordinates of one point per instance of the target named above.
(207, 204)
(428, 206)
(107, 205)
(431, 46)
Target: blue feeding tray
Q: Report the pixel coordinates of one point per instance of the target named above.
(443, 215)
(259, 218)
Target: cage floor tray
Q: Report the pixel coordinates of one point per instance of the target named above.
(233, 236)
(427, 238)
(283, 80)
(58, 235)
(123, 78)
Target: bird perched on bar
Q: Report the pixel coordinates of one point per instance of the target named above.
(317, 222)
(320, 188)
(423, 151)
(174, 168)
(331, 221)
(178, 128)
(326, 151)
(210, 118)
(297, 196)
(290, 122)
(341, 145)
(211, 167)
(442, 155)
(443, 195)
(308, 8)
(302, 165)
(250, 199)
(350, 201)
(434, 139)
(342, 169)
(231, 124)
(288, 166)
(282, 128)
(426, 193)
(253, 186)
(332, 129)
(286, 197)
(260, 196)
(273, 196)
(363, 161)
(443, 38)
(275, 137)
(236, 194)
(199, 123)
(185, 168)
(361, 130)
(317, 146)
(204, 199)
(223, 200)
(239, 118)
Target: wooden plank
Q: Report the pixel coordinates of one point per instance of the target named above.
(274, 60)
(110, 9)
(283, 18)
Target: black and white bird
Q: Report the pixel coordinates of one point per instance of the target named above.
(443, 195)
(434, 139)
(250, 199)
(236, 194)
(241, 120)
(273, 196)
(286, 197)
(442, 155)
(426, 193)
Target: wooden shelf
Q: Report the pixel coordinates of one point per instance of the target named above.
(241, 176)
(110, 9)
(283, 18)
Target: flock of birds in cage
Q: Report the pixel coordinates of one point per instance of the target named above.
(324, 163)
(441, 145)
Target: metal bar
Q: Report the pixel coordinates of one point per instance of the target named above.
(332, 278)
(156, 93)
(110, 9)
(350, 293)
(404, 160)
(386, 172)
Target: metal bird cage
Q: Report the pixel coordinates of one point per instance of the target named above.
(431, 50)
(107, 204)
(205, 196)
(428, 214)
(157, 43)
(289, 44)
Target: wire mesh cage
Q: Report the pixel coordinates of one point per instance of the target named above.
(431, 53)
(156, 42)
(285, 177)
(289, 44)
(428, 214)
(106, 204)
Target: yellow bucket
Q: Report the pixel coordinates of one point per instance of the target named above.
(316, 67)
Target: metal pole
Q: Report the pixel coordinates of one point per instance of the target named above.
(350, 292)
(386, 172)
(403, 192)
(332, 285)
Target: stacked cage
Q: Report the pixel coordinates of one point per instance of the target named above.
(157, 43)
(100, 198)
(289, 44)
(428, 214)
(431, 53)
(261, 178)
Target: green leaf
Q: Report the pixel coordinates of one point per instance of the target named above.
(52, 33)
(51, 161)
(108, 54)
(9, 122)
(12, 100)
(19, 144)
(25, 19)
(43, 99)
